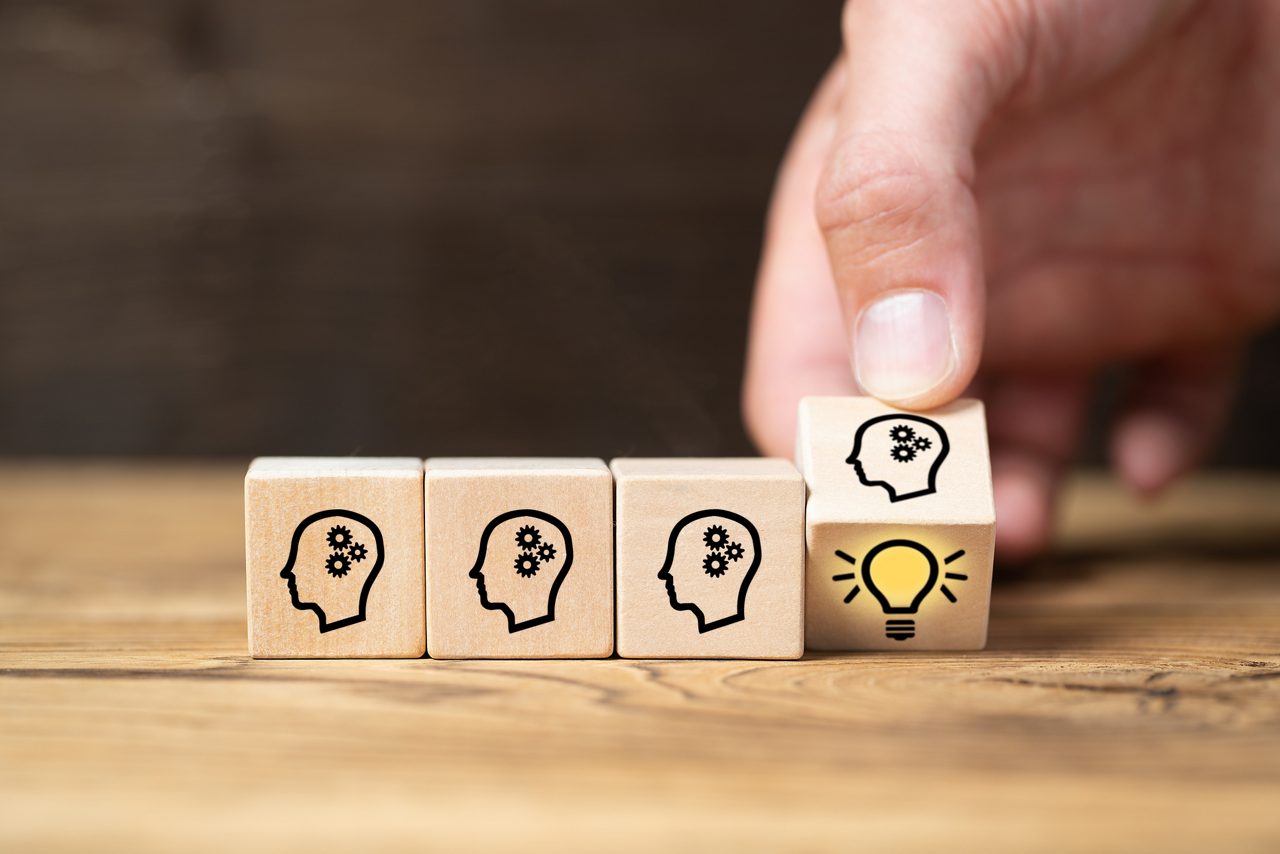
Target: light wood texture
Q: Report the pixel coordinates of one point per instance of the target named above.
(899, 506)
(710, 558)
(519, 558)
(1129, 700)
(334, 557)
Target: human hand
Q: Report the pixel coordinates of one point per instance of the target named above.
(1090, 182)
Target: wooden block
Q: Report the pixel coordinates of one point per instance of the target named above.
(710, 558)
(333, 551)
(900, 525)
(519, 558)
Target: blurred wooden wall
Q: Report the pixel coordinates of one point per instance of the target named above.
(447, 226)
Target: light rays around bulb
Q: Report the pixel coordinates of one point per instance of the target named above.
(942, 588)
(846, 576)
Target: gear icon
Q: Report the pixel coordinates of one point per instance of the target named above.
(923, 443)
(715, 537)
(338, 564)
(734, 551)
(903, 453)
(339, 537)
(526, 564)
(528, 537)
(357, 552)
(546, 552)
(714, 564)
(902, 433)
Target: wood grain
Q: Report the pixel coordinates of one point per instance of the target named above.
(1129, 700)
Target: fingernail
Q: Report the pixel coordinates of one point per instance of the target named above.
(902, 345)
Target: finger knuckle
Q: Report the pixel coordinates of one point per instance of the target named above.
(876, 211)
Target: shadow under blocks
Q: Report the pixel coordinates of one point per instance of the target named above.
(899, 525)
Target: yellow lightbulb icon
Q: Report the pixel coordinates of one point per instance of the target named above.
(900, 574)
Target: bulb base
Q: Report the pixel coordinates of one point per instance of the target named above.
(900, 630)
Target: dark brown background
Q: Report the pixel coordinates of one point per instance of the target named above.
(233, 227)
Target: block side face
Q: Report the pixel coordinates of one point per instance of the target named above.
(864, 460)
(493, 594)
(847, 562)
(671, 606)
(334, 566)
(804, 444)
(703, 467)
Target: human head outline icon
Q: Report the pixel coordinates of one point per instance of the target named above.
(334, 559)
(900, 453)
(522, 562)
(712, 556)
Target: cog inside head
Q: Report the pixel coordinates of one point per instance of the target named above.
(715, 564)
(922, 443)
(527, 564)
(902, 433)
(339, 537)
(734, 551)
(903, 453)
(337, 564)
(357, 552)
(546, 552)
(528, 537)
(715, 537)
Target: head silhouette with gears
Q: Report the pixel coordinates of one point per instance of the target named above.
(712, 555)
(901, 454)
(524, 558)
(334, 559)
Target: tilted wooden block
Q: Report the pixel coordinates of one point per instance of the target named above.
(900, 525)
(333, 554)
(710, 558)
(519, 558)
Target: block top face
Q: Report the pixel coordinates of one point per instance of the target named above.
(865, 460)
(715, 467)
(287, 467)
(503, 466)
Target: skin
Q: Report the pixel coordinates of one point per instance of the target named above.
(1082, 182)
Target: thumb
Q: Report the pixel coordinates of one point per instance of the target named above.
(895, 202)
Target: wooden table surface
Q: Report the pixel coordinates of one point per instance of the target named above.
(1129, 700)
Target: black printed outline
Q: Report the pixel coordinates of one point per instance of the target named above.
(288, 575)
(512, 625)
(665, 572)
(944, 447)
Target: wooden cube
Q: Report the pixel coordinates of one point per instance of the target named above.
(710, 558)
(900, 525)
(519, 558)
(333, 555)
